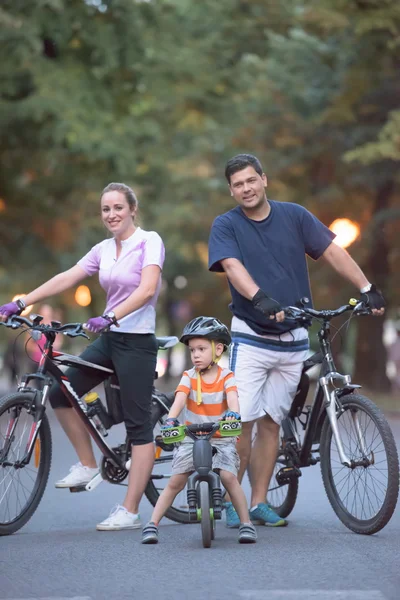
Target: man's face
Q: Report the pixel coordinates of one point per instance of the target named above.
(248, 188)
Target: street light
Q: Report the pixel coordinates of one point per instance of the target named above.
(83, 296)
(346, 232)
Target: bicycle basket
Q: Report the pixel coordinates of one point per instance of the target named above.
(230, 428)
(172, 435)
(113, 399)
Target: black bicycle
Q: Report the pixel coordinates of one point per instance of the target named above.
(344, 431)
(204, 494)
(25, 435)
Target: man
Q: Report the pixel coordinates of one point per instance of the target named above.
(261, 245)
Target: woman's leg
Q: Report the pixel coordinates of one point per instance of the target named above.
(82, 381)
(134, 358)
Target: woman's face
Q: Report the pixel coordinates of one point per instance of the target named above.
(117, 214)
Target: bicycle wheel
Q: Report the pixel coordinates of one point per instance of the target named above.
(21, 486)
(363, 496)
(161, 474)
(282, 498)
(206, 521)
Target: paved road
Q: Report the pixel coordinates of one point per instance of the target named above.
(59, 555)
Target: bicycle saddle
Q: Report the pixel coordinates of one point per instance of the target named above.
(167, 341)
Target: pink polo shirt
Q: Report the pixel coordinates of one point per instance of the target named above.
(119, 278)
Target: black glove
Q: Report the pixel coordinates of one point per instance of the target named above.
(170, 422)
(373, 298)
(268, 306)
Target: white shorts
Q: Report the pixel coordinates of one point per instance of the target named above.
(266, 379)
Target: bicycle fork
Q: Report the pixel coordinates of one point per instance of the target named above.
(330, 405)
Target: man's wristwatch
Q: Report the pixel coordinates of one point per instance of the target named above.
(366, 288)
(21, 304)
(110, 316)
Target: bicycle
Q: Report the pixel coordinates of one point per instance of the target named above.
(340, 428)
(25, 439)
(204, 494)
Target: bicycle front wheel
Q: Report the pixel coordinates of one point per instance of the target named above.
(21, 485)
(206, 521)
(364, 495)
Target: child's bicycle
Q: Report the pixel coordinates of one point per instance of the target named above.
(204, 494)
(344, 431)
(25, 434)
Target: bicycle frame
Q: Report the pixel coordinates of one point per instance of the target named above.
(326, 399)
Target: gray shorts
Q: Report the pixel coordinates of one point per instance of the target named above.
(226, 458)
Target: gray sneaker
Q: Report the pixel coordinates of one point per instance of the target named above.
(150, 533)
(247, 534)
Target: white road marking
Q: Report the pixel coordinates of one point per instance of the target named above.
(311, 595)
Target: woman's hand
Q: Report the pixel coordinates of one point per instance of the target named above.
(10, 309)
(97, 324)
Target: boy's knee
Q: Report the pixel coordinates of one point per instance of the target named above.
(177, 483)
(227, 478)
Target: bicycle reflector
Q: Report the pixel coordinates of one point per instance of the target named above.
(230, 428)
(172, 435)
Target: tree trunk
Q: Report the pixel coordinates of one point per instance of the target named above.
(371, 356)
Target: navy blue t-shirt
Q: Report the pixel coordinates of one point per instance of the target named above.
(273, 251)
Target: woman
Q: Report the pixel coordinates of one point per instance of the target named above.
(129, 266)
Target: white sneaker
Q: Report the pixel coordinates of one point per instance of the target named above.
(78, 475)
(119, 519)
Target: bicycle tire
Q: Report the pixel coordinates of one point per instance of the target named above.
(24, 400)
(206, 524)
(383, 516)
(151, 491)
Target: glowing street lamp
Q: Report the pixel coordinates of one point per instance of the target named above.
(346, 232)
(28, 309)
(83, 296)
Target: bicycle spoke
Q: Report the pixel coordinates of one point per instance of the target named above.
(361, 490)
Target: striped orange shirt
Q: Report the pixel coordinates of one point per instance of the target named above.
(213, 395)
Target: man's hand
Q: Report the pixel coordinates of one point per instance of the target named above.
(374, 300)
(268, 306)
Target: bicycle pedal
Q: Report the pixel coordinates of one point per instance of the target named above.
(77, 488)
(286, 474)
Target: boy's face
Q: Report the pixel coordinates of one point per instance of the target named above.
(201, 352)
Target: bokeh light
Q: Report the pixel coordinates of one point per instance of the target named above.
(83, 296)
(27, 309)
(346, 232)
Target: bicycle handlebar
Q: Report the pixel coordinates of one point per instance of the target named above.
(69, 329)
(304, 313)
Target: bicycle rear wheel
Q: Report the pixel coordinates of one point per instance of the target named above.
(282, 498)
(21, 486)
(363, 496)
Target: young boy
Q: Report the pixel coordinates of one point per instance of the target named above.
(208, 393)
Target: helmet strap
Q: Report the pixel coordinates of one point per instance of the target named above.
(214, 361)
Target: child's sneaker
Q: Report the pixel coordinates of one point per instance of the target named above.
(232, 518)
(262, 514)
(247, 534)
(78, 475)
(119, 519)
(150, 533)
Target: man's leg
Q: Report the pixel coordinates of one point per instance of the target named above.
(263, 458)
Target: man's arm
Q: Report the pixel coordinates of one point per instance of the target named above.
(342, 262)
(239, 277)
(245, 285)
